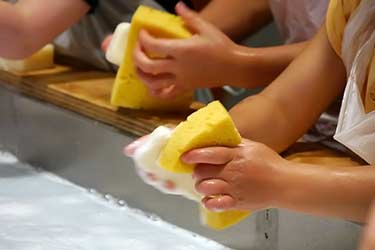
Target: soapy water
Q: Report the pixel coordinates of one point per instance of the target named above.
(41, 211)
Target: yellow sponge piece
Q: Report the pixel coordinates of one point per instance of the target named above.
(42, 59)
(222, 220)
(208, 126)
(129, 91)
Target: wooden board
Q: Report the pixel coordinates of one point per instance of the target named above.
(87, 92)
(50, 71)
(96, 92)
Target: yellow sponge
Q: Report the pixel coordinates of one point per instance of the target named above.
(222, 220)
(129, 91)
(208, 126)
(42, 59)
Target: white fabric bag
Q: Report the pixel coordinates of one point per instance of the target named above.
(356, 129)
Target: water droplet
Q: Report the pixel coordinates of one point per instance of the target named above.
(93, 191)
(121, 203)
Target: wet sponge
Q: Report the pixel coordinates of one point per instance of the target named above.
(208, 126)
(129, 91)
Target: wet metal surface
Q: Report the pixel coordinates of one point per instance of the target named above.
(89, 154)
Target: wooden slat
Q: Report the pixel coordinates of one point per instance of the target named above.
(96, 92)
(87, 92)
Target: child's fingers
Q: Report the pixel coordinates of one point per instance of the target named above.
(165, 93)
(209, 155)
(156, 82)
(219, 203)
(106, 42)
(192, 20)
(152, 66)
(130, 149)
(212, 187)
(159, 46)
(207, 172)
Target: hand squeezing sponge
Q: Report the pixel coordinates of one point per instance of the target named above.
(129, 91)
(208, 126)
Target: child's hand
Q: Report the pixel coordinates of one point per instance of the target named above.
(130, 149)
(203, 60)
(149, 177)
(106, 42)
(245, 178)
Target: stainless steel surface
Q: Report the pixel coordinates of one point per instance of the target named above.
(89, 154)
(49, 212)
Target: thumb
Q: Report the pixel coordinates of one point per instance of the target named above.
(130, 149)
(106, 42)
(192, 20)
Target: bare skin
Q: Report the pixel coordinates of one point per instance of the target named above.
(225, 62)
(278, 117)
(287, 108)
(253, 176)
(253, 13)
(28, 25)
(368, 242)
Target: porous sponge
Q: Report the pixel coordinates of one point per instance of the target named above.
(129, 91)
(209, 126)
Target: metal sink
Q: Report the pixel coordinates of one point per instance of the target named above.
(89, 154)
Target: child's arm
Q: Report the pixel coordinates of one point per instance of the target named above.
(253, 177)
(208, 59)
(292, 103)
(237, 18)
(28, 25)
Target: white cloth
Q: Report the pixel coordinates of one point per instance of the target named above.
(298, 20)
(356, 129)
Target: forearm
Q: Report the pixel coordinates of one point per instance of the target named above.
(10, 28)
(28, 25)
(260, 119)
(237, 18)
(287, 108)
(258, 67)
(332, 191)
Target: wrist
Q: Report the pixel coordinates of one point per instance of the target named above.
(247, 65)
(285, 186)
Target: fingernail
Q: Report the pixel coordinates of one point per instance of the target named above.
(194, 176)
(181, 4)
(217, 210)
(185, 159)
(130, 149)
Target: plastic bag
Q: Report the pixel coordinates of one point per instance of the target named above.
(356, 128)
